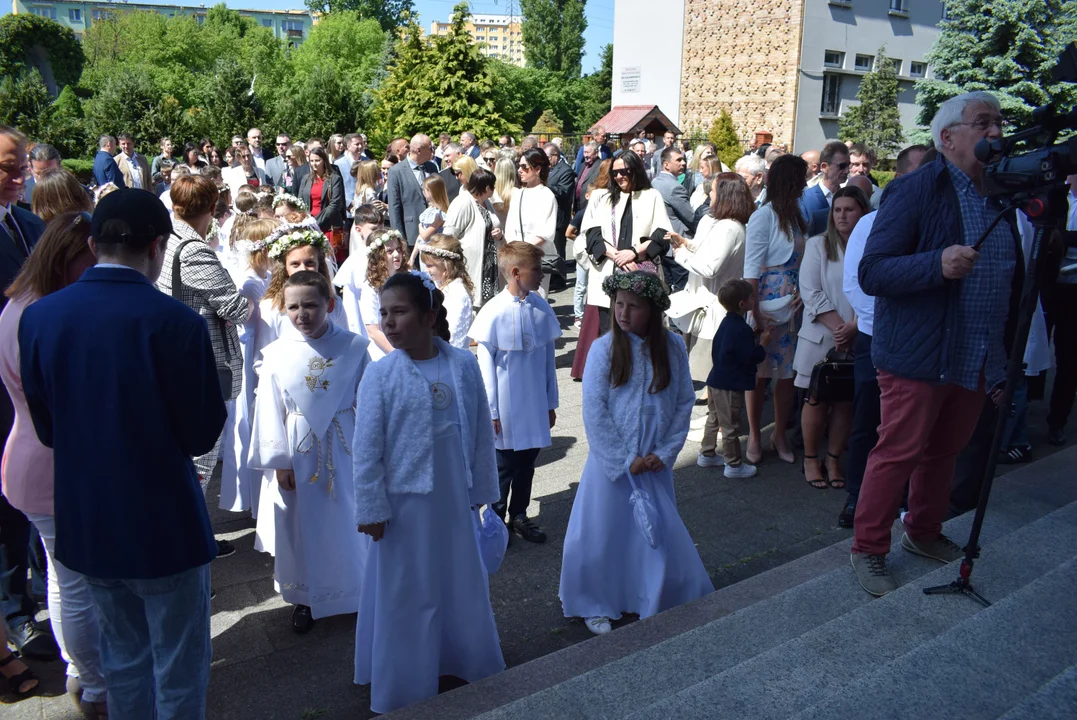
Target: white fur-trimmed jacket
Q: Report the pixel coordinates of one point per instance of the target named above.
(394, 437)
(611, 416)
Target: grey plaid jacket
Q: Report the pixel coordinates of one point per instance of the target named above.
(209, 290)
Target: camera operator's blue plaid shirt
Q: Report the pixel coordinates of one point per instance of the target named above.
(984, 297)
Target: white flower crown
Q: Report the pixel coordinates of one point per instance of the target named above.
(289, 199)
(384, 237)
(290, 235)
(439, 252)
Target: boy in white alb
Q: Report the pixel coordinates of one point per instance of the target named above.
(304, 421)
(516, 332)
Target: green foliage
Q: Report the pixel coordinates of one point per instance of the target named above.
(389, 14)
(28, 40)
(1006, 47)
(439, 85)
(875, 121)
(224, 106)
(82, 169)
(132, 102)
(596, 92)
(553, 35)
(882, 177)
(67, 128)
(320, 106)
(547, 123)
(25, 103)
(724, 136)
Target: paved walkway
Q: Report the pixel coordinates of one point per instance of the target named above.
(262, 670)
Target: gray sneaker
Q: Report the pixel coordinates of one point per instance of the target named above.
(873, 574)
(944, 549)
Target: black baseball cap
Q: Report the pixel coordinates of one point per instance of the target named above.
(129, 216)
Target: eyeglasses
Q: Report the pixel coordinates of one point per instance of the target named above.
(283, 144)
(980, 124)
(621, 172)
(490, 158)
(842, 166)
(524, 166)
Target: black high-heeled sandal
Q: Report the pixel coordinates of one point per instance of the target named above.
(835, 482)
(22, 684)
(820, 483)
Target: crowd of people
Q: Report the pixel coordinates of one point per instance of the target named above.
(364, 348)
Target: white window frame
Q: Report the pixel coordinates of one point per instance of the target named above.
(857, 65)
(831, 82)
(840, 62)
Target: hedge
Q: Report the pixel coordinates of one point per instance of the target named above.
(82, 169)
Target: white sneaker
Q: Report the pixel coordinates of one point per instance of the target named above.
(709, 460)
(598, 625)
(744, 470)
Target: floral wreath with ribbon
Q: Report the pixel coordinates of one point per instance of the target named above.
(439, 252)
(289, 199)
(639, 283)
(291, 235)
(382, 238)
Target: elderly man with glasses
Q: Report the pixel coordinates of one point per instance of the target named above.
(945, 308)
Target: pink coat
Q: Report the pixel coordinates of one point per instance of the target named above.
(27, 469)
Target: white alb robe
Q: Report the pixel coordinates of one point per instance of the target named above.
(459, 311)
(517, 339)
(304, 421)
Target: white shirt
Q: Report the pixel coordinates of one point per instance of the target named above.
(863, 304)
(259, 159)
(532, 215)
(827, 193)
(1070, 259)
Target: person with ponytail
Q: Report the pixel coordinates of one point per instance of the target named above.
(637, 406)
(424, 609)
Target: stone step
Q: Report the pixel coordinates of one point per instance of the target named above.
(1056, 700)
(809, 668)
(616, 674)
(998, 659)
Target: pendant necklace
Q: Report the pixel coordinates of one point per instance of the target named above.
(441, 393)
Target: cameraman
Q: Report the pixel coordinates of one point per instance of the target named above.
(942, 314)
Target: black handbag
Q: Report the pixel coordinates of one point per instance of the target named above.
(224, 372)
(832, 378)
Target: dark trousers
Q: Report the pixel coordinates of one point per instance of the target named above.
(972, 462)
(676, 276)
(14, 561)
(865, 431)
(515, 471)
(1060, 311)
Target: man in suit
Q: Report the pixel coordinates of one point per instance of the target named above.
(129, 513)
(562, 181)
(405, 187)
(449, 154)
(678, 208)
(861, 159)
(134, 167)
(587, 173)
(254, 142)
(19, 232)
(833, 172)
(42, 159)
(469, 145)
(105, 170)
(276, 166)
(604, 151)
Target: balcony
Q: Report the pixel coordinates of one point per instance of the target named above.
(294, 34)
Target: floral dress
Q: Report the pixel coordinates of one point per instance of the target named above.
(778, 282)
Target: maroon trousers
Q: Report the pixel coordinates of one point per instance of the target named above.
(923, 428)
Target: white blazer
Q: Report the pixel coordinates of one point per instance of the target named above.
(765, 245)
(464, 222)
(821, 290)
(532, 215)
(236, 177)
(714, 256)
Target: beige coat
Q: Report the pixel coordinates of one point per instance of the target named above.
(821, 290)
(143, 171)
(464, 222)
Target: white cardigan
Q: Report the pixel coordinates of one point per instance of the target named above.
(821, 290)
(537, 209)
(713, 257)
(394, 433)
(765, 245)
(464, 222)
(611, 416)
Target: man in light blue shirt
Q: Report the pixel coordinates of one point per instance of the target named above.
(353, 149)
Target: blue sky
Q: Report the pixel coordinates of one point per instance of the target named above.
(599, 17)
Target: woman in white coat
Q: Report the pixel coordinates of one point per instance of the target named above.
(713, 256)
(829, 322)
(471, 220)
(532, 214)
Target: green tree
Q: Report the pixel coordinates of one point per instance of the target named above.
(390, 14)
(1006, 47)
(226, 104)
(25, 103)
(547, 123)
(594, 92)
(553, 34)
(439, 86)
(30, 41)
(132, 102)
(320, 106)
(724, 136)
(875, 121)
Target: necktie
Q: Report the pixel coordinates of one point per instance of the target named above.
(16, 234)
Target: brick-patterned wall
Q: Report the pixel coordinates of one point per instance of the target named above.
(741, 55)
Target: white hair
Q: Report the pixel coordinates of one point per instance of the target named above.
(752, 164)
(952, 112)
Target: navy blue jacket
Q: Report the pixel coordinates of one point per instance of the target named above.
(734, 354)
(121, 382)
(815, 209)
(915, 307)
(105, 170)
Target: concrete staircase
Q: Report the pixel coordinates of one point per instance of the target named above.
(804, 641)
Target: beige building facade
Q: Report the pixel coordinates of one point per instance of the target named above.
(500, 36)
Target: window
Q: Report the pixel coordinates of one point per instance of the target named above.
(267, 22)
(945, 12)
(831, 94)
(74, 15)
(291, 25)
(896, 64)
(833, 58)
(898, 6)
(864, 62)
(45, 12)
(99, 15)
(917, 69)
(199, 19)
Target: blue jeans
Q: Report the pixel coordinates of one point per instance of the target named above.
(579, 294)
(155, 644)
